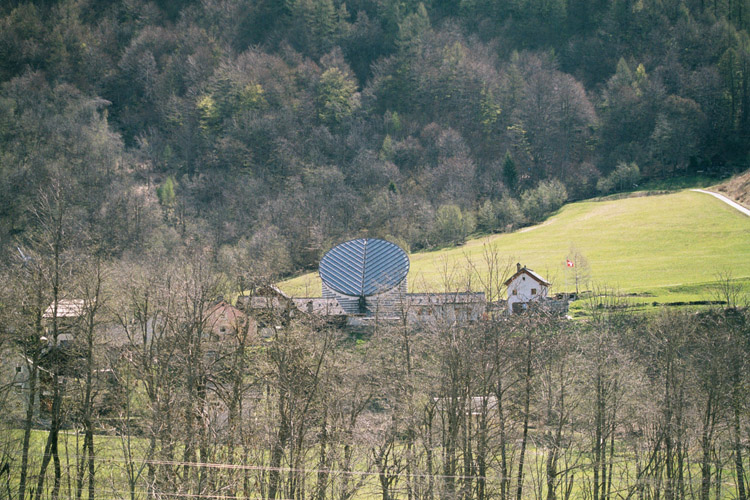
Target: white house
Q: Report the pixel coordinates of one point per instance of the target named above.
(525, 287)
(69, 313)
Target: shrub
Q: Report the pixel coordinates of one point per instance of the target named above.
(452, 226)
(510, 172)
(624, 177)
(487, 217)
(547, 197)
(508, 213)
(166, 193)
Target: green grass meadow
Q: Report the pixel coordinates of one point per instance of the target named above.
(659, 248)
(111, 482)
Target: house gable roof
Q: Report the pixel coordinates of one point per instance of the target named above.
(228, 311)
(530, 273)
(66, 308)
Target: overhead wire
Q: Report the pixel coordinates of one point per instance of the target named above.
(226, 466)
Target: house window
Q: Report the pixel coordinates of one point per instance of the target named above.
(515, 292)
(533, 291)
(18, 368)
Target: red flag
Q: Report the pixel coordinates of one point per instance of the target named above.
(569, 263)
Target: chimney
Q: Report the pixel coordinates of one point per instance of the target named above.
(518, 266)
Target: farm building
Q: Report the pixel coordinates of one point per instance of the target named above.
(223, 319)
(61, 320)
(364, 281)
(366, 276)
(527, 289)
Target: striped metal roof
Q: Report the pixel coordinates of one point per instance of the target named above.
(363, 267)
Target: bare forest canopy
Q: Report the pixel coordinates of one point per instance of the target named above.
(270, 130)
(154, 395)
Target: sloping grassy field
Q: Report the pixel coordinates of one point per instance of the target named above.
(664, 248)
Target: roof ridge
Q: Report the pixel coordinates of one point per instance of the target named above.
(364, 269)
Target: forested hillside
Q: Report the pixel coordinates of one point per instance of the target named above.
(156, 156)
(267, 130)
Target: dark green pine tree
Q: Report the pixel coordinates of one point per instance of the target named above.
(510, 173)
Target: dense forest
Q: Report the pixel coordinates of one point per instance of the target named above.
(269, 130)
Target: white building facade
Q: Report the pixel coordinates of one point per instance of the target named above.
(524, 288)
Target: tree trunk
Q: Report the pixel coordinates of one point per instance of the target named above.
(28, 422)
(91, 462)
(323, 457)
(481, 454)
(526, 404)
(277, 452)
(598, 433)
(468, 452)
(504, 479)
(430, 415)
(738, 465)
(51, 448)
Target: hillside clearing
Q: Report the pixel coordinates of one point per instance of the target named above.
(663, 248)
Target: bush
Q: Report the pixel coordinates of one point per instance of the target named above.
(624, 177)
(401, 242)
(452, 226)
(581, 181)
(166, 193)
(502, 215)
(508, 213)
(486, 217)
(542, 201)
